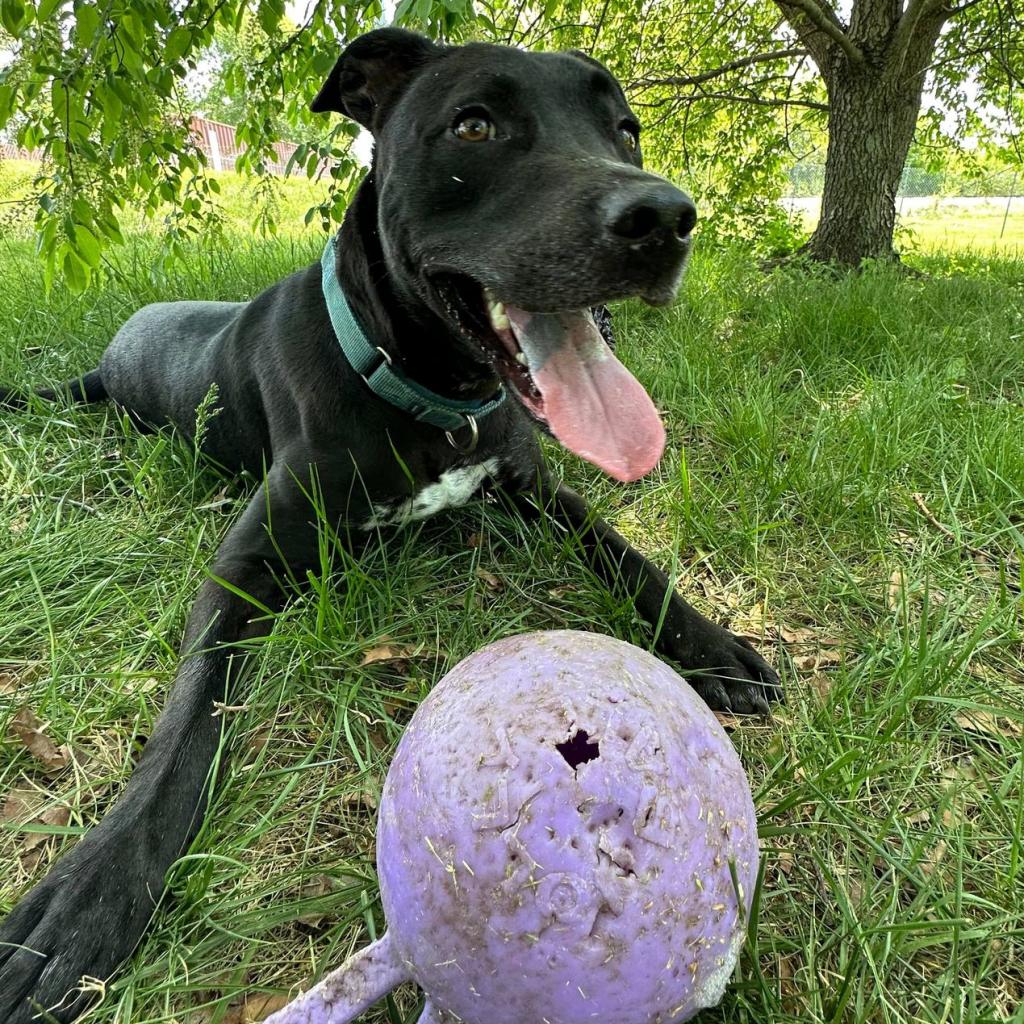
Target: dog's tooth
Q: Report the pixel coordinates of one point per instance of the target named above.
(522, 360)
(496, 312)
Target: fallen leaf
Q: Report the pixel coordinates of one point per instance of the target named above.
(23, 806)
(34, 846)
(315, 889)
(490, 580)
(817, 660)
(752, 623)
(475, 540)
(21, 803)
(921, 817)
(251, 1009)
(727, 722)
(896, 592)
(931, 860)
(256, 743)
(8, 680)
(821, 684)
(557, 593)
(960, 771)
(807, 635)
(30, 731)
(986, 723)
(365, 798)
(393, 652)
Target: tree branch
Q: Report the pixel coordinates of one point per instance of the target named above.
(809, 18)
(757, 101)
(682, 81)
(916, 13)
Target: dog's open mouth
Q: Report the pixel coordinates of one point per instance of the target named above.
(562, 370)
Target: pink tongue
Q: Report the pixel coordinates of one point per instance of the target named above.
(592, 403)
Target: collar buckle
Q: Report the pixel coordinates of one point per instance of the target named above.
(474, 437)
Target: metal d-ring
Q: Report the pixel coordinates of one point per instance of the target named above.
(474, 437)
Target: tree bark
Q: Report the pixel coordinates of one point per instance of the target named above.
(871, 124)
(874, 72)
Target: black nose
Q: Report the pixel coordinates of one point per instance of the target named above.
(638, 212)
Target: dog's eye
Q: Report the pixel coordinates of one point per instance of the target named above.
(473, 128)
(630, 136)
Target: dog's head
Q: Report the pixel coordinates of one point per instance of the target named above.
(512, 199)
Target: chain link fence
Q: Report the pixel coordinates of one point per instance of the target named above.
(994, 202)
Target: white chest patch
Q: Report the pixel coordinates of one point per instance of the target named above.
(454, 488)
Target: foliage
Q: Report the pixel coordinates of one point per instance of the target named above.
(728, 92)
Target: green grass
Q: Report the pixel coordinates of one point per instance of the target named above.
(952, 223)
(804, 414)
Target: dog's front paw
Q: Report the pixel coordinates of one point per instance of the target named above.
(727, 673)
(76, 925)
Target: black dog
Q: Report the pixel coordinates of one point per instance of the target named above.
(401, 376)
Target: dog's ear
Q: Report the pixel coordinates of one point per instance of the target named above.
(372, 72)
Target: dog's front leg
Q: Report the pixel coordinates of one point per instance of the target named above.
(724, 669)
(88, 913)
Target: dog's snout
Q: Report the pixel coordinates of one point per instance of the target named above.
(638, 214)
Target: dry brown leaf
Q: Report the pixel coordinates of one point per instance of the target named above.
(34, 846)
(986, 723)
(896, 591)
(251, 1009)
(490, 580)
(257, 742)
(475, 540)
(921, 817)
(8, 680)
(23, 806)
(727, 721)
(817, 660)
(360, 798)
(960, 771)
(821, 684)
(30, 731)
(557, 593)
(784, 861)
(314, 889)
(808, 635)
(393, 652)
(21, 803)
(752, 623)
(933, 858)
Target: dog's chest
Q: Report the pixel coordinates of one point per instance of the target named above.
(453, 488)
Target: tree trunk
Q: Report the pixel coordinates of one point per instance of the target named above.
(874, 72)
(871, 124)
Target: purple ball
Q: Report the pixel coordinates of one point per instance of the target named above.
(566, 835)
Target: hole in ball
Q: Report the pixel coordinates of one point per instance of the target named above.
(578, 749)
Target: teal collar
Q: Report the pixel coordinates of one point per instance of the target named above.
(373, 364)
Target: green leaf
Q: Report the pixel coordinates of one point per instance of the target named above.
(13, 16)
(59, 101)
(76, 273)
(178, 43)
(87, 23)
(7, 95)
(270, 14)
(87, 246)
(46, 8)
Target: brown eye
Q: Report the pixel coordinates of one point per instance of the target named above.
(474, 128)
(630, 137)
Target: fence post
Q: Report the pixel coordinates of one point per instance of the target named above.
(1009, 199)
(214, 143)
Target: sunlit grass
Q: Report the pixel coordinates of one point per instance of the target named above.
(844, 480)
